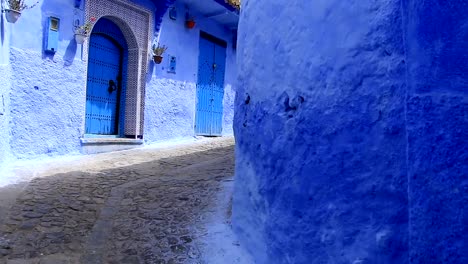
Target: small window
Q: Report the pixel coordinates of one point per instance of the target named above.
(54, 24)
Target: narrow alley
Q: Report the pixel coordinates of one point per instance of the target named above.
(138, 206)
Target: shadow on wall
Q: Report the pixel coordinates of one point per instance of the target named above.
(149, 74)
(188, 61)
(183, 73)
(2, 25)
(161, 70)
(70, 52)
(65, 11)
(183, 43)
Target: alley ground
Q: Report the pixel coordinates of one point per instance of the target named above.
(150, 205)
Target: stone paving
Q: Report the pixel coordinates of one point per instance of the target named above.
(149, 212)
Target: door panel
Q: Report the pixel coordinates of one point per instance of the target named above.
(104, 73)
(204, 93)
(218, 88)
(210, 88)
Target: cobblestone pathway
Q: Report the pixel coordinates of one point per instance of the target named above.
(150, 212)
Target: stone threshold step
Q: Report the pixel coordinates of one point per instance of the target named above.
(111, 141)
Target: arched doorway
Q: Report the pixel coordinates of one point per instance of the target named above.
(135, 23)
(107, 74)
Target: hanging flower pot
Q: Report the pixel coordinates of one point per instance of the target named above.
(14, 8)
(158, 52)
(80, 38)
(81, 32)
(157, 59)
(190, 24)
(12, 15)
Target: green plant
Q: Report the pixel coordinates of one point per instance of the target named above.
(158, 50)
(19, 5)
(86, 28)
(234, 3)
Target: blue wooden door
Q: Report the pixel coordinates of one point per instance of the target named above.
(210, 87)
(103, 85)
(218, 89)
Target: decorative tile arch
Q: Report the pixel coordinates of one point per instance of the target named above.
(136, 24)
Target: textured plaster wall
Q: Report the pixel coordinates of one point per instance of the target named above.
(351, 131)
(4, 112)
(47, 91)
(319, 125)
(5, 78)
(171, 97)
(437, 40)
(228, 105)
(230, 88)
(47, 106)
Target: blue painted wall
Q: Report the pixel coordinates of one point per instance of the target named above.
(171, 97)
(47, 92)
(351, 131)
(437, 122)
(5, 77)
(46, 105)
(46, 95)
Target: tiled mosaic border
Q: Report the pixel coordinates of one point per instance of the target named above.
(136, 24)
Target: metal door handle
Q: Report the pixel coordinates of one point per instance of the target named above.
(112, 86)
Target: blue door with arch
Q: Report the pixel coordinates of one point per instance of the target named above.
(210, 86)
(105, 79)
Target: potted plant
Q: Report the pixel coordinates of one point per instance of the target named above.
(158, 52)
(14, 9)
(81, 32)
(235, 3)
(189, 22)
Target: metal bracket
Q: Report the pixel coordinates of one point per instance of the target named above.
(77, 3)
(2, 108)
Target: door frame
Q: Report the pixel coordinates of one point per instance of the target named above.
(137, 25)
(217, 41)
(122, 72)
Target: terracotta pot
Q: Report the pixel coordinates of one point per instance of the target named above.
(157, 59)
(190, 24)
(80, 38)
(12, 15)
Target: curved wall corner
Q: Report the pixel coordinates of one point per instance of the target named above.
(351, 134)
(437, 124)
(320, 132)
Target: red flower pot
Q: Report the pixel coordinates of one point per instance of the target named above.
(190, 24)
(157, 59)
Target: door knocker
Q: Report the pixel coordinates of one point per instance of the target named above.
(112, 86)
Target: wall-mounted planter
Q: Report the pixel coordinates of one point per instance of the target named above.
(80, 38)
(157, 59)
(190, 24)
(12, 15)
